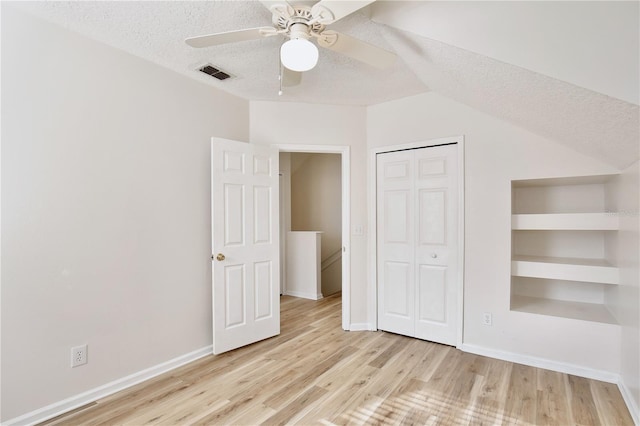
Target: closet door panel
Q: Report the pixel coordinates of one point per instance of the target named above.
(396, 242)
(436, 248)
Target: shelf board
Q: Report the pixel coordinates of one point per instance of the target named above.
(564, 260)
(566, 221)
(563, 181)
(561, 308)
(568, 269)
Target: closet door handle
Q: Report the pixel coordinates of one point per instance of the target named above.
(220, 257)
(434, 255)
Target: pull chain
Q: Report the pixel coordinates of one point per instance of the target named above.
(280, 75)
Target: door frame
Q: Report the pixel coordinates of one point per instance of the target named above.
(345, 158)
(373, 220)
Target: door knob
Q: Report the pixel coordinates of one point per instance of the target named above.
(220, 257)
(434, 255)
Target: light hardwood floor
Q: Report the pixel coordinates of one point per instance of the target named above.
(316, 373)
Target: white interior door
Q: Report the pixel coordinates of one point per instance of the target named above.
(417, 201)
(245, 243)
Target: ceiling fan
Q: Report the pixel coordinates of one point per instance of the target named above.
(299, 23)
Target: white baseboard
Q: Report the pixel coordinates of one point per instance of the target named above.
(304, 294)
(589, 373)
(89, 396)
(360, 326)
(630, 401)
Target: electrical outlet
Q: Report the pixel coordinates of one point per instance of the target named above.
(486, 318)
(78, 355)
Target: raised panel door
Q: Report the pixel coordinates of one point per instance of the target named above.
(417, 196)
(245, 243)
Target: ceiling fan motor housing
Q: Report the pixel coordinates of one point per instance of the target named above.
(299, 30)
(298, 15)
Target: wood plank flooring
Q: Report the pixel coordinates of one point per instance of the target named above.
(316, 373)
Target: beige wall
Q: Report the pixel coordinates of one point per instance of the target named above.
(105, 211)
(316, 199)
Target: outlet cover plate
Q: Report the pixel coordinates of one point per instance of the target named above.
(487, 318)
(78, 355)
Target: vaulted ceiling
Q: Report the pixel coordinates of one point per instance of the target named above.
(565, 70)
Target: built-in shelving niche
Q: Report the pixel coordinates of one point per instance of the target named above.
(563, 247)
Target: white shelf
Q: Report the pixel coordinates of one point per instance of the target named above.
(570, 269)
(560, 308)
(566, 221)
(569, 180)
(558, 266)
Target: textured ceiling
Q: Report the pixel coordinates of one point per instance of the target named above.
(156, 31)
(589, 122)
(592, 123)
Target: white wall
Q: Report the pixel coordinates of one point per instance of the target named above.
(306, 124)
(592, 44)
(495, 153)
(105, 208)
(624, 300)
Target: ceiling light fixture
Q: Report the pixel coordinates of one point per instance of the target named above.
(299, 54)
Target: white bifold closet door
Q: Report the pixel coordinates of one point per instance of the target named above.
(417, 201)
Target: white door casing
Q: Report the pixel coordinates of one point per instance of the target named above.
(417, 243)
(245, 232)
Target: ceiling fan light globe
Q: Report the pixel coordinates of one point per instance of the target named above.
(299, 54)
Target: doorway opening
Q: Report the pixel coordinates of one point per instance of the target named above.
(314, 182)
(311, 214)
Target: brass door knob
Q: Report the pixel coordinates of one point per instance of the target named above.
(220, 257)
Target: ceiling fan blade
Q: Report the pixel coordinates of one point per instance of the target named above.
(278, 7)
(356, 49)
(328, 11)
(290, 78)
(230, 37)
